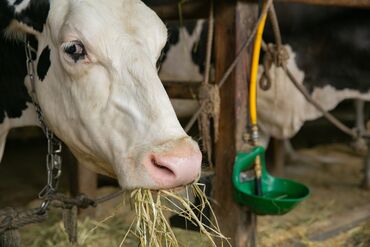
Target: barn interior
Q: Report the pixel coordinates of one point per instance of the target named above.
(328, 161)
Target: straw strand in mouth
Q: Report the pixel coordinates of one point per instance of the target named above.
(151, 226)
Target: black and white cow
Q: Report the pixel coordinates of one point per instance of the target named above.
(329, 50)
(98, 87)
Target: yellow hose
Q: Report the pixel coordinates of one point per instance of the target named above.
(254, 71)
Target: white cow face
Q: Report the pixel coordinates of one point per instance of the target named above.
(99, 90)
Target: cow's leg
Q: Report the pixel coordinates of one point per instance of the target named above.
(279, 157)
(3, 135)
(290, 153)
(360, 119)
(9, 238)
(360, 144)
(366, 181)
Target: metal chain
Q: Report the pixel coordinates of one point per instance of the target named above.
(53, 157)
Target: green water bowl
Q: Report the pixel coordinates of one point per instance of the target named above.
(279, 196)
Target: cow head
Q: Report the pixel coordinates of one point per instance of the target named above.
(98, 88)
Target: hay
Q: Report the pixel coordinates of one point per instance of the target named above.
(151, 226)
(335, 193)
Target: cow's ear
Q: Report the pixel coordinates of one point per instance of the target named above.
(23, 15)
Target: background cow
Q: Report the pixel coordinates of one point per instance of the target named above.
(328, 52)
(97, 85)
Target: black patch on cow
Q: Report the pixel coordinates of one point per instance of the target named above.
(13, 92)
(199, 50)
(335, 52)
(35, 15)
(173, 34)
(190, 27)
(17, 2)
(6, 15)
(173, 39)
(43, 64)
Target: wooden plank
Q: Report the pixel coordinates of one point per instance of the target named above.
(195, 9)
(182, 90)
(343, 3)
(190, 10)
(199, 9)
(232, 24)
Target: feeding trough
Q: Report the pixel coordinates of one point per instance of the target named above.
(278, 197)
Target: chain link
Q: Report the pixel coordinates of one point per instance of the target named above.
(53, 157)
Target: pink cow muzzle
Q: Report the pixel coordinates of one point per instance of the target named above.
(179, 164)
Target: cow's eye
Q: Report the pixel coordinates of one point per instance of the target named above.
(75, 49)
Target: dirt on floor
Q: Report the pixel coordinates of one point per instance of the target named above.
(336, 204)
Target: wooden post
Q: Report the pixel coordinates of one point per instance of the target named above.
(87, 184)
(82, 180)
(233, 23)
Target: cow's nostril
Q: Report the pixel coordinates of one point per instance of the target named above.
(164, 169)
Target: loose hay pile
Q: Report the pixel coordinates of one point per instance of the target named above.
(336, 195)
(148, 229)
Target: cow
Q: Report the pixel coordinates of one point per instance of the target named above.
(313, 37)
(97, 85)
(184, 59)
(327, 54)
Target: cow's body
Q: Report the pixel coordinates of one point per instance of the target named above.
(97, 85)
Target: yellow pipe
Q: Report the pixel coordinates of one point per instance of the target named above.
(254, 71)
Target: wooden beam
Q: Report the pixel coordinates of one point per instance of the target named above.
(233, 22)
(182, 90)
(195, 9)
(343, 3)
(190, 10)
